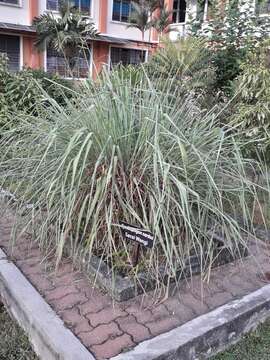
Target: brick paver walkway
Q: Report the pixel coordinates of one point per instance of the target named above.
(107, 328)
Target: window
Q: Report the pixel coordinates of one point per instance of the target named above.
(10, 45)
(127, 56)
(10, 2)
(57, 64)
(83, 5)
(179, 11)
(264, 7)
(121, 10)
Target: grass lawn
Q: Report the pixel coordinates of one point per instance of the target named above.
(14, 344)
(255, 346)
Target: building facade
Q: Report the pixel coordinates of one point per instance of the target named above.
(116, 43)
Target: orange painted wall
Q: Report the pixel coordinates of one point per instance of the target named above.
(169, 4)
(100, 56)
(154, 33)
(33, 9)
(103, 16)
(31, 57)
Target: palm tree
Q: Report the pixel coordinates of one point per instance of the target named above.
(140, 16)
(67, 34)
(162, 21)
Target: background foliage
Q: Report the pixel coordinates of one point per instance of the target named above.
(25, 90)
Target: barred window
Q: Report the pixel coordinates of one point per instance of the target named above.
(121, 10)
(127, 56)
(179, 11)
(83, 5)
(10, 2)
(10, 45)
(57, 64)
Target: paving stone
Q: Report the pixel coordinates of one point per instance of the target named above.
(29, 262)
(176, 308)
(137, 331)
(164, 325)
(201, 289)
(142, 316)
(67, 279)
(60, 292)
(41, 282)
(112, 347)
(71, 317)
(82, 327)
(105, 316)
(159, 312)
(64, 268)
(106, 330)
(218, 300)
(100, 334)
(93, 306)
(30, 269)
(68, 301)
(198, 306)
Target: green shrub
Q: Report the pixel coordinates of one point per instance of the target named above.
(252, 94)
(18, 92)
(25, 90)
(231, 32)
(60, 90)
(186, 60)
(131, 152)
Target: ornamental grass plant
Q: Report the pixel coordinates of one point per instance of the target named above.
(132, 151)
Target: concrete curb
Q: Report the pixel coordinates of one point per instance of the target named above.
(207, 334)
(47, 333)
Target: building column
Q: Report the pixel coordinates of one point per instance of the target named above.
(33, 10)
(31, 57)
(169, 4)
(103, 16)
(100, 57)
(154, 33)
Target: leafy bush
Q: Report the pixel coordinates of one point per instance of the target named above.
(24, 90)
(135, 152)
(59, 89)
(231, 32)
(187, 61)
(252, 88)
(17, 91)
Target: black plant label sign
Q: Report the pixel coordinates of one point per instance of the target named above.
(134, 233)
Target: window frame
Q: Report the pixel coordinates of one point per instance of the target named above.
(19, 4)
(20, 37)
(110, 65)
(90, 13)
(121, 12)
(177, 12)
(90, 67)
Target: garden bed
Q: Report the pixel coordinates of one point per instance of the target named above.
(124, 287)
(121, 283)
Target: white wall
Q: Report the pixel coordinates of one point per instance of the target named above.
(15, 14)
(94, 9)
(119, 29)
(20, 15)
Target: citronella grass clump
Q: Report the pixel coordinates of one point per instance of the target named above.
(131, 151)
